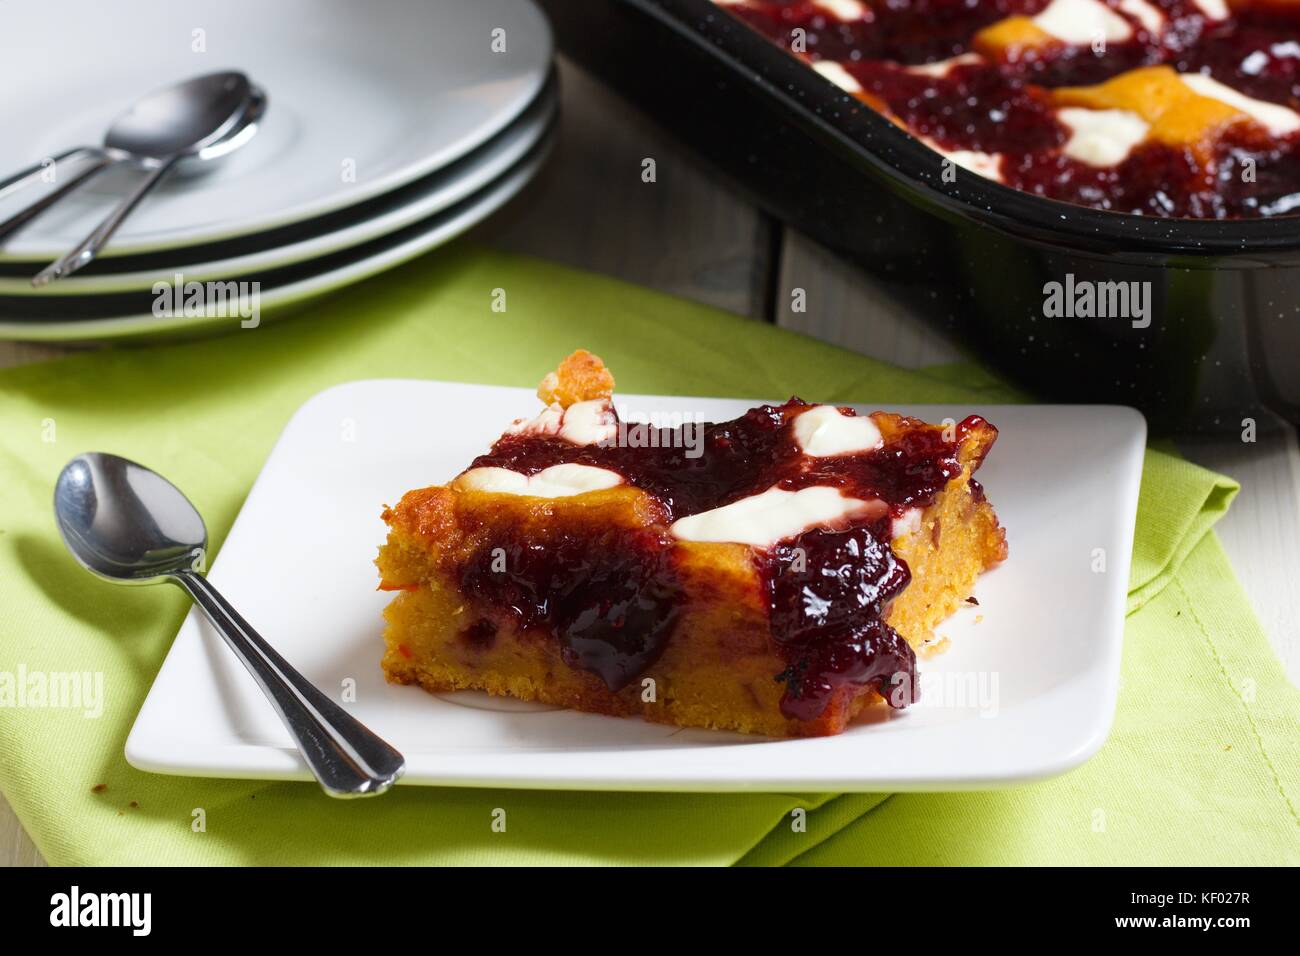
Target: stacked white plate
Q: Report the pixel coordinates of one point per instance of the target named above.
(391, 127)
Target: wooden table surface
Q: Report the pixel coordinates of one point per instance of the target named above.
(689, 234)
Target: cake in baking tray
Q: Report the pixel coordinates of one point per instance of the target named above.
(1183, 108)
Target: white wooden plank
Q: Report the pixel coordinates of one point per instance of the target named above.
(16, 847)
(1261, 531)
(845, 306)
(591, 208)
(21, 353)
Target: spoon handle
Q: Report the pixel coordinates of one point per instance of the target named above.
(32, 210)
(89, 247)
(347, 759)
(33, 172)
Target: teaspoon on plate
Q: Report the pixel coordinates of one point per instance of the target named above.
(129, 525)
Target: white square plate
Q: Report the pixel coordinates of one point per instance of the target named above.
(1026, 689)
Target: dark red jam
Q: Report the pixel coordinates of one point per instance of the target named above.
(1004, 105)
(828, 592)
(480, 634)
(612, 599)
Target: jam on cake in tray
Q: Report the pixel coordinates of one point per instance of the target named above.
(771, 574)
(1181, 108)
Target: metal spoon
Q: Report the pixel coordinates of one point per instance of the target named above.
(201, 118)
(129, 525)
(128, 133)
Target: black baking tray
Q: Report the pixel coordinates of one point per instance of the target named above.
(971, 256)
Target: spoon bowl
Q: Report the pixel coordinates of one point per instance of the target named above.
(239, 132)
(181, 119)
(126, 523)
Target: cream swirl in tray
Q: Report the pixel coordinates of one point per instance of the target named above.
(1181, 108)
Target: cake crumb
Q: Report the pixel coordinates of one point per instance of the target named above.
(581, 377)
(935, 646)
(978, 618)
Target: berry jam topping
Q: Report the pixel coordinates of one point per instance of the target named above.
(908, 31)
(1001, 104)
(692, 468)
(481, 634)
(973, 106)
(612, 599)
(698, 467)
(828, 593)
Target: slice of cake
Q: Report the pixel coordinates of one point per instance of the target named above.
(770, 574)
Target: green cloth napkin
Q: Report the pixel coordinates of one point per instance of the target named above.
(1203, 765)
